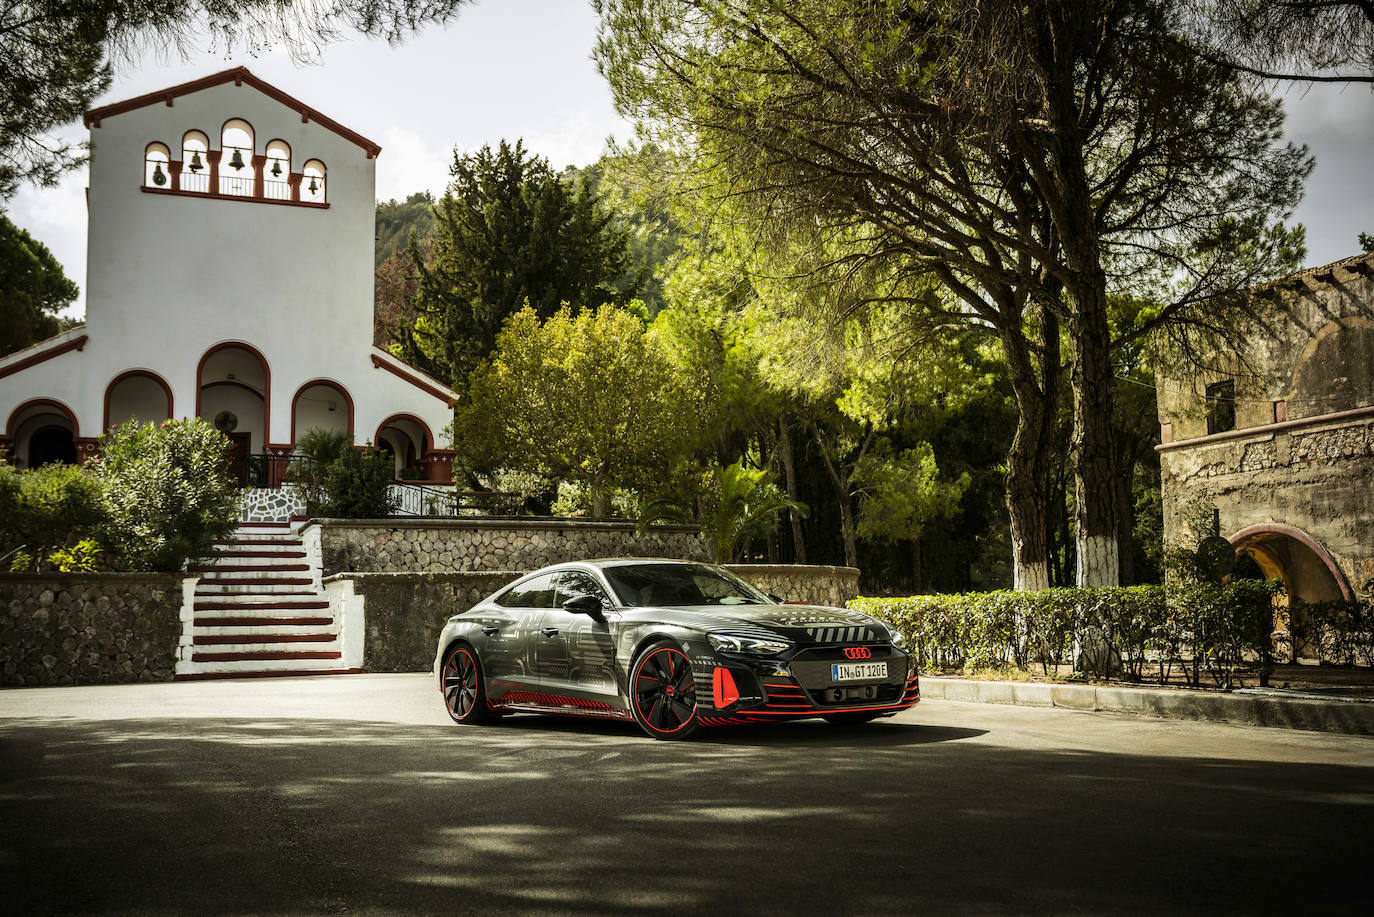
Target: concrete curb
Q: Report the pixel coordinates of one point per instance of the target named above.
(1240, 709)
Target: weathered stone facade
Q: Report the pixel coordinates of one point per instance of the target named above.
(81, 629)
(1293, 479)
(809, 585)
(463, 545)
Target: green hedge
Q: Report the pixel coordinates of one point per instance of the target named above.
(1205, 632)
(1338, 632)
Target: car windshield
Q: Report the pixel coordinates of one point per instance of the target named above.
(639, 585)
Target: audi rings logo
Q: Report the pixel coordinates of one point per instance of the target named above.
(858, 652)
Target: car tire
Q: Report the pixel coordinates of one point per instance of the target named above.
(663, 692)
(851, 719)
(465, 691)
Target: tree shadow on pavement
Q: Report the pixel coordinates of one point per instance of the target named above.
(278, 816)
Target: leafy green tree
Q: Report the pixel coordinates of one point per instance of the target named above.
(167, 492)
(509, 232)
(1032, 157)
(589, 398)
(33, 289)
(397, 221)
(57, 55)
(739, 504)
(1306, 41)
(901, 493)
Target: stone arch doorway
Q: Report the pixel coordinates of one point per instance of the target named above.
(407, 439)
(41, 432)
(1307, 570)
(234, 395)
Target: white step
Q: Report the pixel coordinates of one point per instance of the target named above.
(261, 630)
(265, 537)
(211, 591)
(184, 667)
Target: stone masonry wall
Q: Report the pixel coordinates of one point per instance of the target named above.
(810, 585)
(81, 629)
(463, 545)
(401, 614)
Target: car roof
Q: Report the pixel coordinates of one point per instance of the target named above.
(603, 562)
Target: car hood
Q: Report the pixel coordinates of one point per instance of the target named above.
(799, 623)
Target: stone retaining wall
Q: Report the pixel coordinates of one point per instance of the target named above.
(88, 628)
(390, 622)
(810, 584)
(463, 545)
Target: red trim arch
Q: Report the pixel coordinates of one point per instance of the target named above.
(427, 445)
(266, 381)
(1253, 533)
(131, 374)
(62, 409)
(337, 386)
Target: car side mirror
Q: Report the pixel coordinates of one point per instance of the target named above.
(584, 605)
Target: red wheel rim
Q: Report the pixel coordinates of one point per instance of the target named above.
(460, 683)
(665, 692)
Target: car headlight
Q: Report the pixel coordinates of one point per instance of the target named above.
(736, 643)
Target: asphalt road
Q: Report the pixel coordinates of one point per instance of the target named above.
(354, 795)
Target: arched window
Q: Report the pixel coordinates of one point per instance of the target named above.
(195, 165)
(236, 158)
(312, 182)
(156, 171)
(277, 171)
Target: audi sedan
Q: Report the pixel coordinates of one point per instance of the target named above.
(672, 645)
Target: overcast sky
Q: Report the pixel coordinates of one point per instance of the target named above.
(523, 69)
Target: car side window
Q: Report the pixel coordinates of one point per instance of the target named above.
(532, 593)
(572, 583)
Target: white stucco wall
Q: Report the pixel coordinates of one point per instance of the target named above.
(171, 276)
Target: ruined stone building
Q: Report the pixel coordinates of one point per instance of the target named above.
(1284, 447)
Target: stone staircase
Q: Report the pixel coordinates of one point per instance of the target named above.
(258, 609)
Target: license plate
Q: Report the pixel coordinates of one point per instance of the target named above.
(858, 671)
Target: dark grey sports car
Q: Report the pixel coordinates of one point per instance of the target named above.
(670, 644)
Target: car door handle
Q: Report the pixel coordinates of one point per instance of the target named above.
(491, 631)
(550, 632)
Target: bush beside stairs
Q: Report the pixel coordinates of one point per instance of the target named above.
(258, 609)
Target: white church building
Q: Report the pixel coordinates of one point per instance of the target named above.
(229, 277)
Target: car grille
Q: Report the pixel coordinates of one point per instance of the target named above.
(841, 634)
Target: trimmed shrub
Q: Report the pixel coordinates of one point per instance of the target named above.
(167, 492)
(358, 484)
(1200, 631)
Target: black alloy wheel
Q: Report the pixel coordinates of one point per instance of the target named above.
(465, 696)
(663, 692)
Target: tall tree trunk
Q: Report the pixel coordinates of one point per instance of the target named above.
(1028, 462)
(1094, 454)
(842, 497)
(789, 471)
(1062, 177)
